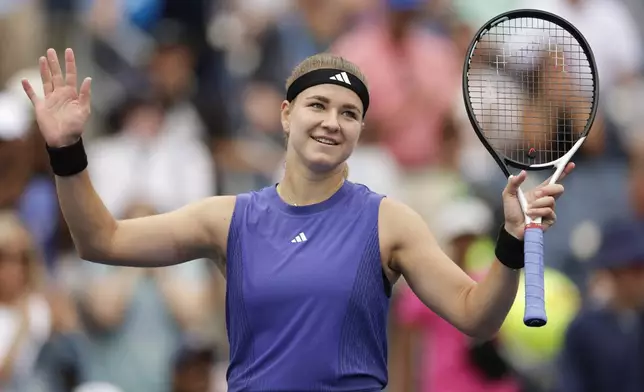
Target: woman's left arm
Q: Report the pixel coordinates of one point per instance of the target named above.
(476, 309)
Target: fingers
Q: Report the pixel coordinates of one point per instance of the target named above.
(45, 76)
(567, 170)
(85, 94)
(54, 66)
(543, 207)
(52, 75)
(544, 202)
(70, 69)
(546, 214)
(554, 190)
(30, 91)
(514, 182)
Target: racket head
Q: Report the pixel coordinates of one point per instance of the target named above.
(494, 78)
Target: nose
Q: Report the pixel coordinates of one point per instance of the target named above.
(330, 122)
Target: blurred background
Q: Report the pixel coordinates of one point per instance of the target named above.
(186, 97)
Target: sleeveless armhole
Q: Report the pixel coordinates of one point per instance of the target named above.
(239, 214)
(387, 286)
(235, 304)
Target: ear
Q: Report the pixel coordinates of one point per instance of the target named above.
(285, 115)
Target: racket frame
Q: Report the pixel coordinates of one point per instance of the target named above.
(535, 312)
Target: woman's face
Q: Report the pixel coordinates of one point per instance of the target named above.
(323, 126)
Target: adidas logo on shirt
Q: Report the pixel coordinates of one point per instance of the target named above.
(341, 77)
(299, 238)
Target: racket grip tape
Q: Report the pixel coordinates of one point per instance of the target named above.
(535, 303)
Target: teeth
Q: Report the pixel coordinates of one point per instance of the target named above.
(324, 140)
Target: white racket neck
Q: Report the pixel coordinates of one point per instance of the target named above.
(560, 164)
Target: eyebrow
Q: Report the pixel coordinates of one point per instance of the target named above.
(327, 100)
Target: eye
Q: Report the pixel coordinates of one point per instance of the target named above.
(351, 114)
(317, 105)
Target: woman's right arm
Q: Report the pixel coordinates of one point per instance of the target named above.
(198, 230)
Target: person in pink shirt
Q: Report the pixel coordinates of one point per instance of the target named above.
(428, 354)
(414, 77)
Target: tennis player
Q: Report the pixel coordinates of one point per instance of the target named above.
(310, 262)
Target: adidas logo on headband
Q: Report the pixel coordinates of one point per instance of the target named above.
(329, 76)
(341, 77)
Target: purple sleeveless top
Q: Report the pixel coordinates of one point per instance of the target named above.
(306, 299)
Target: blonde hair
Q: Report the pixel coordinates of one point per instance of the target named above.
(322, 61)
(13, 232)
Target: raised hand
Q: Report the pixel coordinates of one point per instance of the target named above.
(541, 202)
(62, 114)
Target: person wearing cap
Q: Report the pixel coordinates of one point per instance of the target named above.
(604, 345)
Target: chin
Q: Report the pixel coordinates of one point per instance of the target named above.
(323, 166)
(325, 159)
(320, 163)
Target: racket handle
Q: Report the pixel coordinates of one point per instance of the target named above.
(535, 304)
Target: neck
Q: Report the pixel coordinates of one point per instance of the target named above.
(301, 187)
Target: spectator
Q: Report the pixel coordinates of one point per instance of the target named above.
(413, 77)
(604, 349)
(616, 45)
(21, 29)
(30, 313)
(142, 162)
(136, 317)
(26, 187)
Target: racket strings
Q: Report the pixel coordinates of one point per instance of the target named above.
(531, 88)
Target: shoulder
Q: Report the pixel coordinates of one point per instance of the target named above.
(253, 205)
(363, 196)
(362, 189)
(209, 217)
(214, 205)
(403, 231)
(398, 224)
(584, 326)
(396, 214)
(257, 198)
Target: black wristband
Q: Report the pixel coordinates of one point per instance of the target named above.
(509, 250)
(69, 160)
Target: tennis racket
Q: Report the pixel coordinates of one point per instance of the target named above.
(531, 90)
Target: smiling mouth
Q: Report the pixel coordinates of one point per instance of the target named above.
(325, 141)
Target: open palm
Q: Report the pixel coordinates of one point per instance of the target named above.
(62, 114)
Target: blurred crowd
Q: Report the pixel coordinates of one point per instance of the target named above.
(186, 97)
